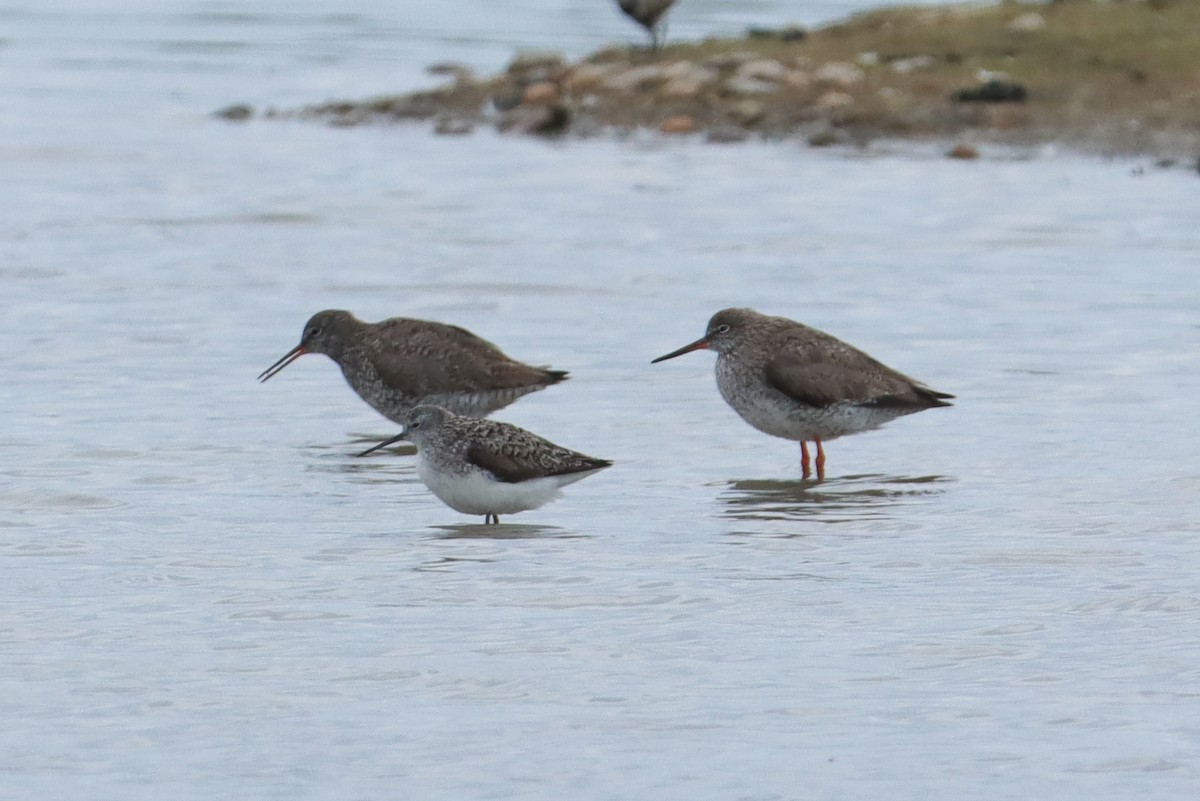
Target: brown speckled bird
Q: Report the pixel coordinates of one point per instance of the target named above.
(798, 383)
(485, 467)
(399, 363)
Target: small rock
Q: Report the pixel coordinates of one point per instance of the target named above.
(726, 134)
(685, 79)
(507, 98)
(534, 61)
(965, 152)
(452, 126)
(732, 60)
(748, 113)
(415, 106)
(238, 112)
(833, 100)
(678, 124)
(749, 86)
(541, 120)
(993, 91)
(683, 88)
(839, 73)
(824, 138)
(637, 79)
(588, 76)
(1027, 23)
(868, 59)
(763, 69)
(912, 64)
(797, 79)
(544, 93)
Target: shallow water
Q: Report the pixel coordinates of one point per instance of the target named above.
(207, 595)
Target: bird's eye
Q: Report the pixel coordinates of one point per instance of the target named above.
(315, 331)
(722, 329)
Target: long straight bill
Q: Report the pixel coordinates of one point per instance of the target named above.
(699, 344)
(401, 436)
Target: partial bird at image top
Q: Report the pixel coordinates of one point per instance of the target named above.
(651, 15)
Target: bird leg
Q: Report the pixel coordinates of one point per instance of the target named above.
(820, 461)
(491, 519)
(805, 470)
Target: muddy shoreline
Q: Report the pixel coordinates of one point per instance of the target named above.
(1110, 77)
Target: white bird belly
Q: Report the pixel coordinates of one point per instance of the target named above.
(476, 492)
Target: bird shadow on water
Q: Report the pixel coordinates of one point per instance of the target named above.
(837, 500)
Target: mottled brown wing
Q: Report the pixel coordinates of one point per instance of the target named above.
(522, 456)
(504, 466)
(419, 357)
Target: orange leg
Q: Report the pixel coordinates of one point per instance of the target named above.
(820, 461)
(805, 470)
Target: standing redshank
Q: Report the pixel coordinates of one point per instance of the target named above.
(796, 382)
(489, 468)
(399, 363)
(648, 14)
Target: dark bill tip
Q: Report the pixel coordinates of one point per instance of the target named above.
(288, 358)
(401, 436)
(699, 344)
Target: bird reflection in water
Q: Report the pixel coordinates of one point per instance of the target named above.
(506, 531)
(837, 500)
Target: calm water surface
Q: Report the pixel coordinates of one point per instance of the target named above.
(206, 595)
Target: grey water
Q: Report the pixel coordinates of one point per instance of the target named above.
(206, 595)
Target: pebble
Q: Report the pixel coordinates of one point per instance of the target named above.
(589, 76)
(833, 100)
(904, 66)
(750, 86)
(748, 113)
(1027, 23)
(541, 120)
(763, 69)
(685, 79)
(636, 79)
(825, 138)
(731, 61)
(840, 73)
(965, 152)
(683, 88)
(544, 93)
(797, 79)
(678, 124)
(535, 61)
(508, 98)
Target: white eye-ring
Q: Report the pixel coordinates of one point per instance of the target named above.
(722, 329)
